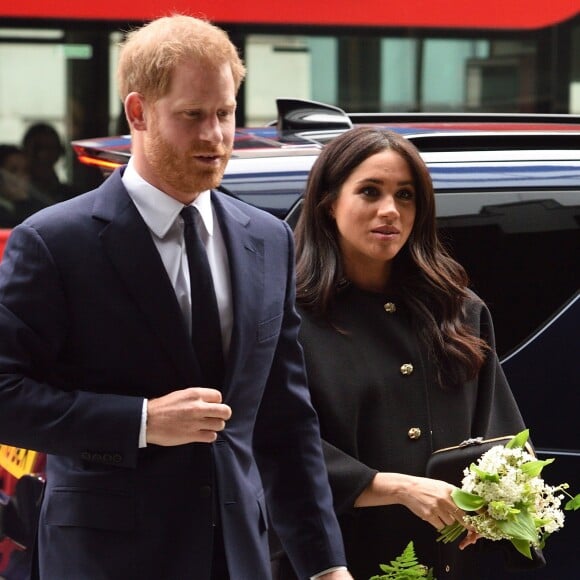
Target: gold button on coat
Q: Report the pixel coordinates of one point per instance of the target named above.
(390, 307)
(414, 433)
(406, 369)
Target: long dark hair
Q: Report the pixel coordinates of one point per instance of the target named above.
(428, 279)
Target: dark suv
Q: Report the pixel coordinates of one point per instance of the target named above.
(508, 204)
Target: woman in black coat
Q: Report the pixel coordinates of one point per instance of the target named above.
(400, 354)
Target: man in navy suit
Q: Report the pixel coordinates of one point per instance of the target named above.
(152, 472)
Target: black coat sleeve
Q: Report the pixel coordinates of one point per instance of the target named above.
(348, 477)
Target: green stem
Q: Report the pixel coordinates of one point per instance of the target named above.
(450, 533)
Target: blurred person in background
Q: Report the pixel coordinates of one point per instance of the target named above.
(43, 147)
(18, 197)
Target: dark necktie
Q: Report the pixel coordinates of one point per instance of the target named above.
(205, 321)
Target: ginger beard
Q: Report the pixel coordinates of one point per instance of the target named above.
(184, 171)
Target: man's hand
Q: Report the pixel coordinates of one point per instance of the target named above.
(193, 415)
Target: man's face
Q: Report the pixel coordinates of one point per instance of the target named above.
(190, 131)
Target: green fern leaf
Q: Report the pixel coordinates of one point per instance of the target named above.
(405, 567)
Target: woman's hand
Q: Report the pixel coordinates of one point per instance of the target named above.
(471, 537)
(429, 499)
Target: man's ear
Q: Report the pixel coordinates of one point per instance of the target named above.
(135, 111)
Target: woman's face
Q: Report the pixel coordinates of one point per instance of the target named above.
(15, 177)
(374, 214)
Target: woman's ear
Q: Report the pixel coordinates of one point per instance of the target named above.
(330, 208)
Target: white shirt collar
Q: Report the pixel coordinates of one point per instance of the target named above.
(159, 210)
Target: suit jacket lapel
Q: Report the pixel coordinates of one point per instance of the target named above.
(128, 244)
(246, 260)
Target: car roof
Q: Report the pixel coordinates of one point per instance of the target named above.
(303, 127)
(462, 150)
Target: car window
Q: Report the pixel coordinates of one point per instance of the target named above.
(521, 251)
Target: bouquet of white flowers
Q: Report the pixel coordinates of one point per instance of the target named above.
(507, 499)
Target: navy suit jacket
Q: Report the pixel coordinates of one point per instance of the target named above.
(89, 326)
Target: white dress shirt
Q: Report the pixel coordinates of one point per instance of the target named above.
(161, 214)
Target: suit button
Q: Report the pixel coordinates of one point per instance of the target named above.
(205, 491)
(390, 307)
(406, 369)
(414, 433)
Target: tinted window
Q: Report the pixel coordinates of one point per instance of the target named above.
(521, 256)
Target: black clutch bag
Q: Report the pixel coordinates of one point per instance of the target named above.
(448, 463)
